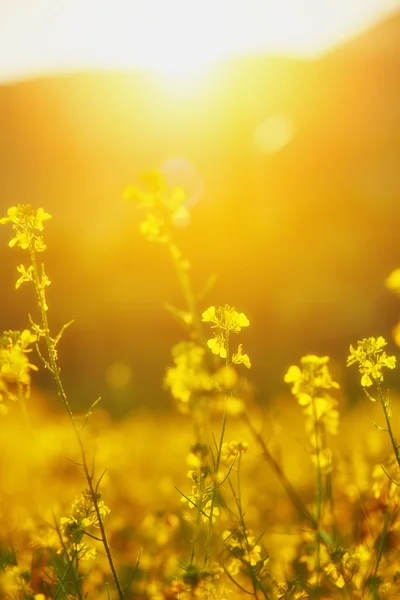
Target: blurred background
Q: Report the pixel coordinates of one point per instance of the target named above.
(282, 120)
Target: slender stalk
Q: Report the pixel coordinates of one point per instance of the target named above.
(197, 526)
(389, 427)
(238, 499)
(187, 291)
(295, 499)
(70, 568)
(55, 370)
(382, 542)
(214, 493)
(318, 490)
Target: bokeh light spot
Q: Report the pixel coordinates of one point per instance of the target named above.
(181, 172)
(274, 133)
(118, 375)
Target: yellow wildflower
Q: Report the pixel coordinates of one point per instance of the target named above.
(313, 378)
(239, 358)
(14, 364)
(25, 220)
(188, 376)
(217, 346)
(151, 228)
(371, 359)
(227, 320)
(232, 449)
(225, 317)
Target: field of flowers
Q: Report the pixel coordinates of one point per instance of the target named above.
(225, 499)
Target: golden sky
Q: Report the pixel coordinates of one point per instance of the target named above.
(170, 36)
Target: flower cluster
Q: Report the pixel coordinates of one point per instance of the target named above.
(310, 385)
(226, 320)
(243, 549)
(73, 528)
(202, 490)
(313, 379)
(371, 359)
(188, 376)
(196, 388)
(15, 367)
(165, 206)
(26, 222)
(233, 449)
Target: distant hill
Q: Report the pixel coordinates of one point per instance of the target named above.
(382, 39)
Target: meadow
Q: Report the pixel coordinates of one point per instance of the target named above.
(226, 499)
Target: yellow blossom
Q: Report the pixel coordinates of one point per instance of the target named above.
(226, 318)
(233, 449)
(371, 359)
(14, 364)
(239, 357)
(151, 228)
(312, 378)
(25, 220)
(188, 376)
(166, 205)
(217, 346)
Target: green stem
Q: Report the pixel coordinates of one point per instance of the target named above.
(382, 543)
(214, 492)
(295, 499)
(227, 359)
(389, 427)
(70, 567)
(318, 491)
(197, 526)
(61, 393)
(238, 499)
(184, 281)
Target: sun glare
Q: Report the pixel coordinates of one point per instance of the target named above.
(176, 39)
(184, 45)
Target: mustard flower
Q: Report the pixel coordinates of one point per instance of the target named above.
(152, 227)
(188, 375)
(217, 345)
(311, 380)
(233, 449)
(82, 516)
(240, 358)
(242, 545)
(14, 364)
(324, 410)
(311, 383)
(84, 509)
(166, 205)
(371, 359)
(25, 220)
(226, 318)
